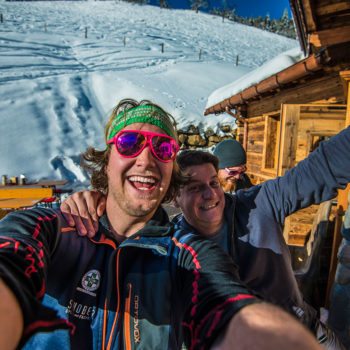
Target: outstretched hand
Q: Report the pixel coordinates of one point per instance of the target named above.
(83, 209)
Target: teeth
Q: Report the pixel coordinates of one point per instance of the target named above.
(206, 207)
(142, 179)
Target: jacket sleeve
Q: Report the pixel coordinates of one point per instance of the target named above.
(27, 240)
(314, 180)
(210, 291)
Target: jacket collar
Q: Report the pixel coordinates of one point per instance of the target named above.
(159, 225)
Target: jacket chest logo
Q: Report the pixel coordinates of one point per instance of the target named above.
(90, 282)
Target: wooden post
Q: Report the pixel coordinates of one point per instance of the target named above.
(289, 124)
(162, 47)
(86, 32)
(1, 18)
(124, 41)
(237, 59)
(345, 75)
(200, 54)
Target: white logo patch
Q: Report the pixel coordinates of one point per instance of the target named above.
(90, 282)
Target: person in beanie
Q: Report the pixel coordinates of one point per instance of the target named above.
(141, 282)
(232, 166)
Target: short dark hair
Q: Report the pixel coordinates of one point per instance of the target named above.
(190, 157)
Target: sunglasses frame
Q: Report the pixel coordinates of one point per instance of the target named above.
(148, 136)
(240, 171)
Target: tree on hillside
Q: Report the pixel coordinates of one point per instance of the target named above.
(285, 16)
(227, 10)
(197, 4)
(163, 4)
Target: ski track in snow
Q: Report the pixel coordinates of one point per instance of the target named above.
(58, 87)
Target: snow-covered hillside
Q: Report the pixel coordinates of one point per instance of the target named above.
(57, 87)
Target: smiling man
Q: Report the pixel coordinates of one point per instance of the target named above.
(232, 166)
(245, 227)
(201, 198)
(141, 282)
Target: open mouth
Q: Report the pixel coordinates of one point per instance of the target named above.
(143, 183)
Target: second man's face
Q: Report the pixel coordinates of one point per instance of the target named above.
(202, 200)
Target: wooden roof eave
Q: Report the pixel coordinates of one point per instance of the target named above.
(300, 25)
(295, 72)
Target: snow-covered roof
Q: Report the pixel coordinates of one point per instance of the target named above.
(268, 69)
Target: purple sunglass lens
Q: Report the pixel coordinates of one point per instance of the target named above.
(164, 148)
(129, 143)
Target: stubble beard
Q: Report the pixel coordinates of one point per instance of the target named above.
(141, 209)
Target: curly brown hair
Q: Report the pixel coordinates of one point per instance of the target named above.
(96, 161)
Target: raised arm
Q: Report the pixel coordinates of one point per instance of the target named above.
(314, 180)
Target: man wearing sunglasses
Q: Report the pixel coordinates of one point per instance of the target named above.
(232, 166)
(140, 282)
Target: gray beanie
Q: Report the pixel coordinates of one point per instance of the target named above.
(230, 154)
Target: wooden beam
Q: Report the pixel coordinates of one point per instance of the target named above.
(328, 86)
(329, 37)
(288, 141)
(309, 17)
(345, 76)
(333, 8)
(33, 193)
(18, 203)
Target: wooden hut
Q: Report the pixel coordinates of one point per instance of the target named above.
(283, 117)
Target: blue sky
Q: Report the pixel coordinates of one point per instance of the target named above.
(261, 7)
(246, 8)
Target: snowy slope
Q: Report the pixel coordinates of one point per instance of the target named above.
(57, 87)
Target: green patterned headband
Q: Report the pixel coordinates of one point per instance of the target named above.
(148, 114)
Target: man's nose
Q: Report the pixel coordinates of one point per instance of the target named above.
(208, 192)
(146, 156)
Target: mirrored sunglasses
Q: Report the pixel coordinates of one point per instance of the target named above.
(130, 143)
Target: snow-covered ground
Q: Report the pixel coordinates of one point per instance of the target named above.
(57, 87)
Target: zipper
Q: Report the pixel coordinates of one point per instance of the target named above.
(105, 314)
(127, 319)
